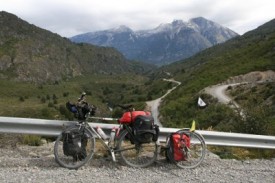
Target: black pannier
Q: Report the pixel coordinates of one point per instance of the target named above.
(144, 129)
(74, 143)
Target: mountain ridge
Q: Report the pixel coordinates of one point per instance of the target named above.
(29, 53)
(164, 44)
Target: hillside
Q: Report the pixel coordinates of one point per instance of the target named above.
(41, 71)
(29, 53)
(254, 51)
(167, 43)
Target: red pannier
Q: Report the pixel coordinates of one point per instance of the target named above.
(179, 142)
(129, 117)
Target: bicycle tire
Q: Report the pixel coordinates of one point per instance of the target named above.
(71, 162)
(195, 154)
(136, 155)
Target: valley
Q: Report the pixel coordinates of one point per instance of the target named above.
(40, 71)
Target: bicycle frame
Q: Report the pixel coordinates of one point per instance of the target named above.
(104, 142)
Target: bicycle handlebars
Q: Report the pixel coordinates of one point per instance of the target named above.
(81, 98)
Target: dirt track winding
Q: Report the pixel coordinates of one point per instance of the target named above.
(218, 91)
(154, 104)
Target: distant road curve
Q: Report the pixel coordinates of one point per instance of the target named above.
(218, 91)
(153, 105)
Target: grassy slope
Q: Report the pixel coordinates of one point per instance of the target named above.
(253, 51)
(23, 99)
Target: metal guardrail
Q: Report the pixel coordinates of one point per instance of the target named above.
(54, 127)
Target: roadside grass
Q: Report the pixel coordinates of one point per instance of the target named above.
(242, 153)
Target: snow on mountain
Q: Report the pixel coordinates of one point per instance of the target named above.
(164, 44)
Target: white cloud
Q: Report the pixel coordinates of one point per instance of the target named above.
(71, 17)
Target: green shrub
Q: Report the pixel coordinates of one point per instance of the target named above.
(65, 94)
(50, 104)
(43, 100)
(21, 99)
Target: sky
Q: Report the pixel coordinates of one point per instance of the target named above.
(71, 17)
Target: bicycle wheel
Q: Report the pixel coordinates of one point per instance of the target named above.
(136, 155)
(194, 155)
(75, 161)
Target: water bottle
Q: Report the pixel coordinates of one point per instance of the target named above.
(112, 137)
(101, 133)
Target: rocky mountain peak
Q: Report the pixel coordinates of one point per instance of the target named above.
(122, 28)
(177, 23)
(164, 44)
(203, 23)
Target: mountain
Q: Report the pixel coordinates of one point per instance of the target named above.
(164, 44)
(29, 53)
(253, 51)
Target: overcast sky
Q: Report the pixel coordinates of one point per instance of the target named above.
(71, 17)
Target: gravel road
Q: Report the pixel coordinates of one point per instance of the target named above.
(154, 104)
(36, 164)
